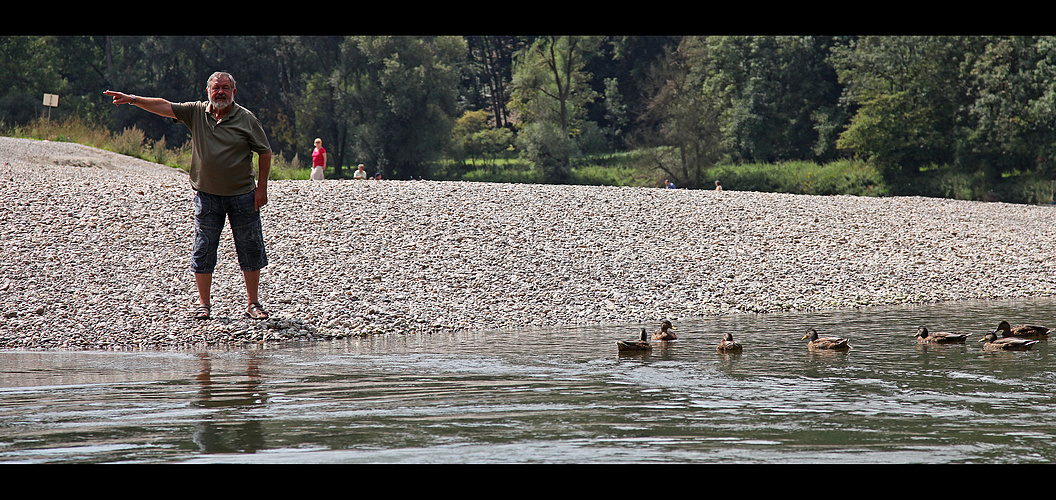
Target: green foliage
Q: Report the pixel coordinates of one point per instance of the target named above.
(396, 98)
(885, 130)
(128, 142)
(71, 129)
(28, 69)
(295, 169)
(548, 147)
(945, 181)
(1029, 188)
(682, 132)
(779, 95)
(837, 177)
(631, 169)
(490, 144)
(615, 113)
(549, 81)
(912, 98)
(605, 170)
(471, 122)
(488, 73)
(1013, 108)
(159, 152)
(591, 139)
(315, 117)
(473, 138)
(523, 173)
(597, 175)
(551, 94)
(955, 116)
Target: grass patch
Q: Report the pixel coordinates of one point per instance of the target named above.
(128, 142)
(838, 177)
(944, 181)
(132, 142)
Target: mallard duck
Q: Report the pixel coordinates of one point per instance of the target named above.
(1006, 344)
(727, 344)
(825, 343)
(1023, 331)
(635, 345)
(925, 337)
(665, 333)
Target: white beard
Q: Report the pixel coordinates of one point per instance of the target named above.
(221, 105)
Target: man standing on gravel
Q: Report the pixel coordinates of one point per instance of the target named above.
(224, 136)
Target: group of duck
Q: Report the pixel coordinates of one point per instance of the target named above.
(1018, 338)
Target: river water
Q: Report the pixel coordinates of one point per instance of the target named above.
(557, 395)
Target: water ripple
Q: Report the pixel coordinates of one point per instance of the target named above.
(486, 398)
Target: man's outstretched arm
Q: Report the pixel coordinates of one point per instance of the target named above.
(155, 105)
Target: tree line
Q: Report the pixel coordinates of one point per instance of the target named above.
(400, 104)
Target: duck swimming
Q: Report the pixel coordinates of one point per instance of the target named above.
(925, 337)
(1023, 331)
(727, 344)
(1007, 343)
(665, 333)
(825, 343)
(635, 345)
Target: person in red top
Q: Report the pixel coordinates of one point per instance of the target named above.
(318, 160)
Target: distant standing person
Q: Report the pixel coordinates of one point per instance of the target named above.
(224, 136)
(360, 173)
(318, 160)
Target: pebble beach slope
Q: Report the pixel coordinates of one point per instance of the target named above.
(94, 254)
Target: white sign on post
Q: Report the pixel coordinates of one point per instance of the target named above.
(51, 101)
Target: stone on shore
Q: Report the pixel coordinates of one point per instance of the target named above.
(94, 254)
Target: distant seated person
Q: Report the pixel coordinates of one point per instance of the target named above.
(360, 173)
(377, 176)
(718, 186)
(668, 184)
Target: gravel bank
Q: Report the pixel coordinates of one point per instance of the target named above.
(94, 254)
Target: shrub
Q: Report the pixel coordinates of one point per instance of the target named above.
(128, 142)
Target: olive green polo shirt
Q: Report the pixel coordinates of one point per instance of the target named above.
(222, 151)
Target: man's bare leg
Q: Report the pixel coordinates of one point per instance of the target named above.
(204, 281)
(252, 286)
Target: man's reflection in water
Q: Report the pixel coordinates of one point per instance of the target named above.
(228, 429)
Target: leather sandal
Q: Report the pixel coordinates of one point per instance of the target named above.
(256, 311)
(201, 312)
